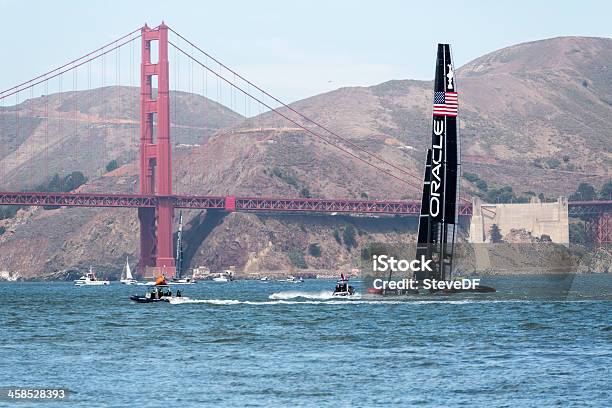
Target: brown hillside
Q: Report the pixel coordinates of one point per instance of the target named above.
(520, 107)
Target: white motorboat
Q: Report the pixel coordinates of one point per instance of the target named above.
(226, 276)
(182, 281)
(126, 276)
(264, 279)
(293, 279)
(89, 279)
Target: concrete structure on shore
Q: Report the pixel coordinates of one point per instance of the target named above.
(535, 217)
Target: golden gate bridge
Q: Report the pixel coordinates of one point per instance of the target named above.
(156, 200)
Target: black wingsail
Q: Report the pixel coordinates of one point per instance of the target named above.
(438, 220)
(425, 226)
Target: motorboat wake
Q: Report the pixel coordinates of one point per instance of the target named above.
(293, 294)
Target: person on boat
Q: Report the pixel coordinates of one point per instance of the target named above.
(178, 293)
(341, 284)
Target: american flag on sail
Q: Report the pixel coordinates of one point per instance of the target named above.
(445, 104)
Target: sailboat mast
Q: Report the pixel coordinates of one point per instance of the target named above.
(179, 247)
(454, 166)
(448, 110)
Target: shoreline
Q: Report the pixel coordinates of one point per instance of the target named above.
(280, 277)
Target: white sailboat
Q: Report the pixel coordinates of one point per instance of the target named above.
(89, 279)
(126, 276)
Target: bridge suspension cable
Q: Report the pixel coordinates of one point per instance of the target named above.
(58, 120)
(90, 56)
(290, 108)
(271, 108)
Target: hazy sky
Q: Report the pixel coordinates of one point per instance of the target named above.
(295, 49)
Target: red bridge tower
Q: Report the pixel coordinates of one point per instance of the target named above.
(156, 255)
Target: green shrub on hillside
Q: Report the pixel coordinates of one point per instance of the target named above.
(495, 234)
(606, 191)
(471, 177)
(374, 248)
(553, 163)
(112, 165)
(9, 211)
(296, 256)
(577, 233)
(482, 185)
(585, 192)
(314, 250)
(348, 236)
(336, 235)
(285, 176)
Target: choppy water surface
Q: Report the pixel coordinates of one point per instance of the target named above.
(255, 343)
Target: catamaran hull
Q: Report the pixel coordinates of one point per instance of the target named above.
(478, 289)
(392, 292)
(99, 283)
(404, 292)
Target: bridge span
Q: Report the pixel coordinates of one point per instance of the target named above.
(256, 204)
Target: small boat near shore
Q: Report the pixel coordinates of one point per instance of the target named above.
(182, 281)
(225, 276)
(90, 279)
(293, 279)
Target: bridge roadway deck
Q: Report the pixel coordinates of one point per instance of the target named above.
(253, 204)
